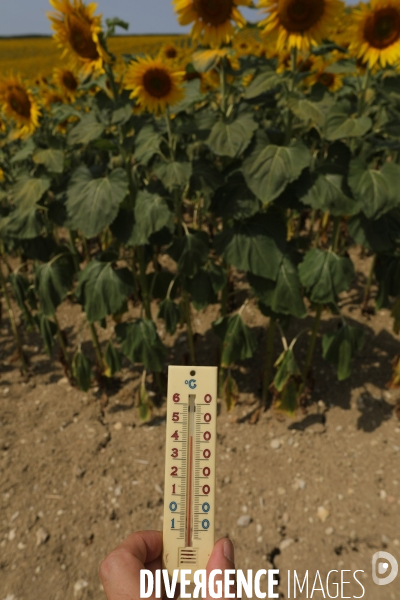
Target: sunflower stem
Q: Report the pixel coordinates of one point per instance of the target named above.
(361, 100)
(311, 347)
(99, 354)
(13, 322)
(269, 360)
(143, 282)
(223, 86)
(62, 345)
(367, 289)
(170, 138)
(189, 328)
(292, 86)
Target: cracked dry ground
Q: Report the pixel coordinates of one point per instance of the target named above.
(322, 491)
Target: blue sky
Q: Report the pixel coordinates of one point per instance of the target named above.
(21, 17)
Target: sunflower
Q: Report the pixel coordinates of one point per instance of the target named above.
(375, 32)
(212, 19)
(50, 97)
(321, 74)
(19, 104)
(77, 30)
(154, 84)
(299, 23)
(2, 176)
(67, 81)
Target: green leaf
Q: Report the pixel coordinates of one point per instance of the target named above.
(112, 359)
(387, 271)
(52, 159)
(263, 83)
(48, 330)
(173, 174)
(82, 371)
(255, 245)
(239, 342)
(232, 139)
(235, 200)
(152, 213)
(190, 252)
(171, 313)
(326, 192)
(28, 191)
(396, 316)
(340, 347)
(269, 169)
(93, 204)
(102, 289)
(381, 235)
(53, 281)
(201, 290)
(283, 296)
(325, 275)
(376, 191)
(308, 111)
(24, 152)
(88, 129)
(287, 368)
(147, 144)
(141, 343)
(339, 123)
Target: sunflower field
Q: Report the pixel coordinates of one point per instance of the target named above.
(244, 157)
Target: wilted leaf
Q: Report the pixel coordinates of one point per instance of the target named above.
(141, 343)
(340, 347)
(283, 296)
(239, 342)
(255, 245)
(103, 289)
(112, 359)
(82, 371)
(171, 313)
(53, 281)
(230, 392)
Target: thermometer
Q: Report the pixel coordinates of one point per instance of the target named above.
(189, 497)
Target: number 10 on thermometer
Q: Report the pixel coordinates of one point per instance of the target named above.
(189, 497)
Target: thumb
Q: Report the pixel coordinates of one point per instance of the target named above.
(222, 558)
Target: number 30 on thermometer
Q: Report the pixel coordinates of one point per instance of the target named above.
(189, 497)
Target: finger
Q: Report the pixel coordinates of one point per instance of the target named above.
(222, 558)
(120, 570)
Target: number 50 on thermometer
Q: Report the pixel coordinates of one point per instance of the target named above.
(189, 497)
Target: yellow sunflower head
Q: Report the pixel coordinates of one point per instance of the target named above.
(321, 74)
(2, 176)
(299, 23)
(77, 30)
(50, 97)
(19, 104)
(155, 85)
(213, 20)
(67, 81)
(375, 32)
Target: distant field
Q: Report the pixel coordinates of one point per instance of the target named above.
(33, 56)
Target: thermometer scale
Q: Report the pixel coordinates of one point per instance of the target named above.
(189, 497)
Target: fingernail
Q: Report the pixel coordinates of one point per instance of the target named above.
(229, 551)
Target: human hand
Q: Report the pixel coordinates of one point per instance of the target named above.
(120, 570)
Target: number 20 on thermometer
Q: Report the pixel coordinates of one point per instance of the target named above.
(189, 497)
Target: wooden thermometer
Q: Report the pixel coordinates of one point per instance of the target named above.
(189, 497)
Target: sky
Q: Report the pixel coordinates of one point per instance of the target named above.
(23, 17)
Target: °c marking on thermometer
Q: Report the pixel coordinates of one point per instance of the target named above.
(189, 497)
